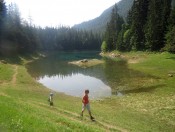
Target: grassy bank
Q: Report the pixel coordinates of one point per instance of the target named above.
(24, 106)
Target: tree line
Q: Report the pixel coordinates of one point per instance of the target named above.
(150, 26)
(20, 36)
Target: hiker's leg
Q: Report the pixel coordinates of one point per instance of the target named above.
(89, 110)
(51, 103)
(83, 109)
(90, 113)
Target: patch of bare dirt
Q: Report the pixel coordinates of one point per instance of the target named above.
(132, 59)
(14, 75)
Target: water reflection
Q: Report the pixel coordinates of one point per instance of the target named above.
(75, 85)
(55, 73)
(102, 80)
(121, 78)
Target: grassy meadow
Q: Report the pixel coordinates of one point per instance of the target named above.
(24, 106)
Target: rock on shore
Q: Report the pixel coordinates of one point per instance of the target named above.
(85, 63)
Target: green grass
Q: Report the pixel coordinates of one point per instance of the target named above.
(5, 72)
(24, 106)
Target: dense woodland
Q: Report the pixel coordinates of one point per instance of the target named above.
(150, 26)
(19, 36)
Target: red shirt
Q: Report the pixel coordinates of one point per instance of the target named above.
(85, 99)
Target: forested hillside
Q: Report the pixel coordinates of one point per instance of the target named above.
(19, 36)
(98, 24)
(150, 26)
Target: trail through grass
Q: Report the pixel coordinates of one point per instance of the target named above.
(24, 106)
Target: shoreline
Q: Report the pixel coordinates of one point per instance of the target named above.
(149, 111)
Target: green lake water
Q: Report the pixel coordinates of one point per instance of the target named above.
(103, 80)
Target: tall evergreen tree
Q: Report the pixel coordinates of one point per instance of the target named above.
(113, 29)
(3, 14)
(170, 36)
(138, 19)
(123, 40)
(120, 23)
(20, 35)
(14, 31)
(157, 23)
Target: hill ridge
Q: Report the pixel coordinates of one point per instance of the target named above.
(98, 24)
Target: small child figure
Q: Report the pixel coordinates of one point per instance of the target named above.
(51, 99)
(86, 105)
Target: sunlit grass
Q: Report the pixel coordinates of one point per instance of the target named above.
(24, 106)
(5, 72)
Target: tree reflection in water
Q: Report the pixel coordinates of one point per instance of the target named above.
(56, 71)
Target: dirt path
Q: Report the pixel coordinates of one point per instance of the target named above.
(68, 114)
(13, 81)
(76, 117)
(15, 74)
(59, 113)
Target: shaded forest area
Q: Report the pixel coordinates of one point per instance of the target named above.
(19, 36)
(150, 26)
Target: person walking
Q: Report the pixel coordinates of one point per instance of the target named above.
(86, 104)
(51, 99)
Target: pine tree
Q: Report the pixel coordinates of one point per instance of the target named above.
(170, 36)
(157, 23)
(3, 14)
(120, 23)
(113, 28)
(137, 25)
(123, 41)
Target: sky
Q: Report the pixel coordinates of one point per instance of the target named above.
(61, 12)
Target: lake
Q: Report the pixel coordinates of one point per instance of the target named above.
(103, 80)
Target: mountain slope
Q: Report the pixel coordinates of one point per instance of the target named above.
(98, 24)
